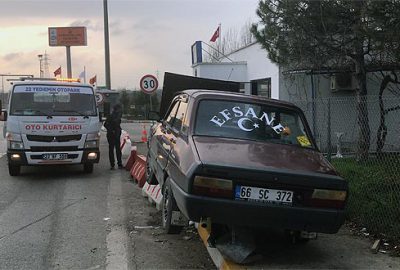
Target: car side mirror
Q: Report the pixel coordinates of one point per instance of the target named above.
(155, 116)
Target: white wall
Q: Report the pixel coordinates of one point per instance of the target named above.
(222, 71)
(258, 66)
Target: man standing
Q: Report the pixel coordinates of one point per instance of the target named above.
(113, 126)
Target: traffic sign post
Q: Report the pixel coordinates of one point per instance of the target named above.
(148, 84)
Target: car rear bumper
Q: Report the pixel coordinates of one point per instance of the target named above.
(244, 213)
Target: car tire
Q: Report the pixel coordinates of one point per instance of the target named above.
(168, 204)
(88, 167)
(14, 170)
(150, 177)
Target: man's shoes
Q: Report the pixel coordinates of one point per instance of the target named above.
(120, 167)
(112, 167)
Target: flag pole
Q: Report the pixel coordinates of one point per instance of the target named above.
(219, 43)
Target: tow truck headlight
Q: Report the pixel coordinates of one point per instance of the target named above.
(92, 140)
(16, 145)
(93, 136)
(14, 141)
(91, 144)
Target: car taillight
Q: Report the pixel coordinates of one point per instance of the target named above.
(212, 187)
(328, 198)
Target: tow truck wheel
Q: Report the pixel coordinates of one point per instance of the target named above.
(168, 205)
(14, 170)
(88, 167)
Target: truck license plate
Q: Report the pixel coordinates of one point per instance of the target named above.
(264, 195)
(58, 156)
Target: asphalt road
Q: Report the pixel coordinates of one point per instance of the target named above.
(60, 218)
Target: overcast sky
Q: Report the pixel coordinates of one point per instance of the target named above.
(145, 36)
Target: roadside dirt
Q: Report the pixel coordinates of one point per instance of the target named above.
(151, 248)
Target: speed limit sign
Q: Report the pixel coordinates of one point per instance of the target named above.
(148, 84)
(99, 98)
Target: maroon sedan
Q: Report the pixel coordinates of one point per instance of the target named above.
(243, 161)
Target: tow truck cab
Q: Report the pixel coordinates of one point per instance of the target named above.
(51, 122)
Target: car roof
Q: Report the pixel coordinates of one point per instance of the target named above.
(38, 82)
(199, 93)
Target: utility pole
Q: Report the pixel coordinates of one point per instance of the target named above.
(106, 46)
(69, 66)
(40, 56)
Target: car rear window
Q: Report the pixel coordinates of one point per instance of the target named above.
(250, 121)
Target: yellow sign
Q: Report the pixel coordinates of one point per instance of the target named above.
(67, 36)
(303, 140)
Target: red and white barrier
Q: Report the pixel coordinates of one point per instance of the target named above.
(131, 159)
(153, 193)
(138, 171)
(125, 144)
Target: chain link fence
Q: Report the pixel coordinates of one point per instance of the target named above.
(365, 149)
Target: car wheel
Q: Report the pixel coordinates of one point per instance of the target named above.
(168, 205)
(14, 170)
(88, 167)
(150, 177)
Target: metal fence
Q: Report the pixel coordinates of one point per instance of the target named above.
(374, 178)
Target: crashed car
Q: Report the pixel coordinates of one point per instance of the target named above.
(243, 160)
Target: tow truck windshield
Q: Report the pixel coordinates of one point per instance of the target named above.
(52, 101)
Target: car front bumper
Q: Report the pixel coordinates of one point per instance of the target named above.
(251, 214)
(28, 158)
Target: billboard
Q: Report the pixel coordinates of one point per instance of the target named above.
(67, 36)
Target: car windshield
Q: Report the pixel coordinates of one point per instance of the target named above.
(52, 100)
(250, 121)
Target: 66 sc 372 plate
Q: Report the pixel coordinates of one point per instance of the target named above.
(264, 195)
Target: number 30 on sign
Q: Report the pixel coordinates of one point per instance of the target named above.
(148, 84)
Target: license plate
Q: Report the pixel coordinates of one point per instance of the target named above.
(264, 195)
(58, 156)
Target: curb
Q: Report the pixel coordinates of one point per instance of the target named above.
(219, 261)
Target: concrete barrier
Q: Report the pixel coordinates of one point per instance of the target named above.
(153, 194)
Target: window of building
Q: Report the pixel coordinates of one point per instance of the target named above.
(261, 87)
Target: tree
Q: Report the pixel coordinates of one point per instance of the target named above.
(387, 79)
(125, 101)
(353, 36)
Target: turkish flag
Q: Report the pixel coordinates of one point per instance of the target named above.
(93, 80)
(215, 36)
(57, 72)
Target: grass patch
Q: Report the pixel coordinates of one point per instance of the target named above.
(374, 200)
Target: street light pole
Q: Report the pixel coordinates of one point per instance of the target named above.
(106, 46)
(40, 65)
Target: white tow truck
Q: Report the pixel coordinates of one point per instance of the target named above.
(51, 122)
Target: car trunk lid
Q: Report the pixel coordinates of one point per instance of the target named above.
(260, 155)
